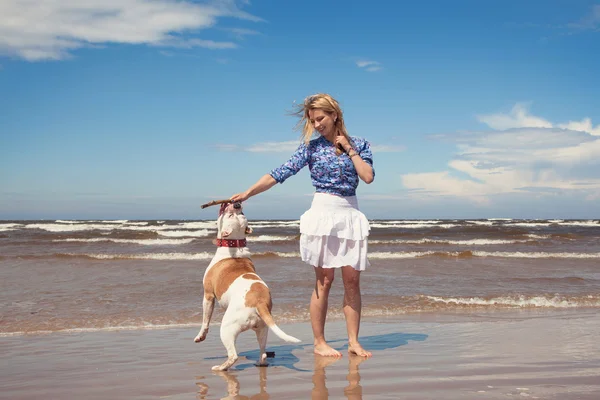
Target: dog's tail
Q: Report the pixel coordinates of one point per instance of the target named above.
(266, 316)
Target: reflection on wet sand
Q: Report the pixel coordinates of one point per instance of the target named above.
(353, 391)
(233, 386)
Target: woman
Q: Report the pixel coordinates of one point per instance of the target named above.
(333, 231)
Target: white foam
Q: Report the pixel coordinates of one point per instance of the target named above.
(279, 254)
(519, 254)
(105, 329)
(195, 225)
(115, 221)
(262, 225)
(10, 225)
(583, 224)
(410, 221)
(413, 226)
(143, 242)
(395, 255)
(201, 233)
(70, 227)
(269, 238)
(534, 236)
(275, 223)
(150, 256)
(472, 242)
(529, 224)
(520, 301)
(484, 223)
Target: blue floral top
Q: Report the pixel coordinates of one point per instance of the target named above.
(329, 172)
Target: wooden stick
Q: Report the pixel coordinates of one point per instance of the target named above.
(215, 202)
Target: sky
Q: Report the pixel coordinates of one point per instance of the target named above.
(146, 109)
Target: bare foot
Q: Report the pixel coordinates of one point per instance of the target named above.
(358, 350)
(326, 350)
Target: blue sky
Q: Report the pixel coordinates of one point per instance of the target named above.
(147, 109)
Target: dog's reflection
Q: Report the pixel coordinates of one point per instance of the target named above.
(353, 391)
(233, 386)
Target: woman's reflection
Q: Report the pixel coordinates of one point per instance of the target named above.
(233, 386)
(353, 391)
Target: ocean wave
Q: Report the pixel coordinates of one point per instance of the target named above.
(104, 329)
(269, 254)
(289, 313)
(270, 238)
(470, 242)
(485, 223)
(144, 256)
(275, 222)
(176, 233)
(265, 226)
(520, 301)
(535, 255)
(143, 242)
(407, 222)
(414, 226)
(468, 254)
(70, 227)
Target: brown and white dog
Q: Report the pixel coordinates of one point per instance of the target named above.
(232, 280)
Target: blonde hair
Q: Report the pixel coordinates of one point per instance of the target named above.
(326, 103)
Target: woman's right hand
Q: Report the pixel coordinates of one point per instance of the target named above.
(239, 197)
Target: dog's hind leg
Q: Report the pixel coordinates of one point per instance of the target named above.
(262, 331)
(208, 305)
(230, 329)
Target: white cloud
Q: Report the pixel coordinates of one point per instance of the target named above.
(525, 154)
(291, 146)
(241, 33)
(227, 147)
(584, 125)
(518, 117)
(51, 30)
(383, 148)
(275, 147)
(371, 66)
(589, 22)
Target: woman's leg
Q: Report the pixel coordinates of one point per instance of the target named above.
(352, 309)
(318, 310)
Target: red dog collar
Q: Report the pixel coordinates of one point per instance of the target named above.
(231, 242)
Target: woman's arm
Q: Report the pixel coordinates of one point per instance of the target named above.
(364, 170)
(263, 184)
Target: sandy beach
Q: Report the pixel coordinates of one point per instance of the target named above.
(536, 354)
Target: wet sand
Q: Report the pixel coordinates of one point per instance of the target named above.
(544, 355)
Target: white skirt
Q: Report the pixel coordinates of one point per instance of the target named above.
(333, 233)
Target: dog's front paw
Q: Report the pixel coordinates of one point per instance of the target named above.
(201, 336)
(219, 368)
(248, 230)
(263, 361)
